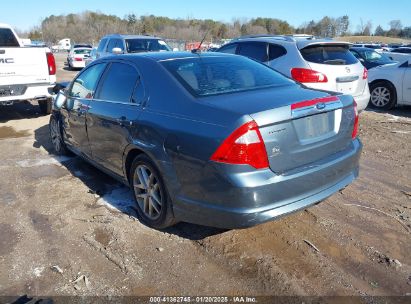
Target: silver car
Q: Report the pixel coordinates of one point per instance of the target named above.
(321, 64)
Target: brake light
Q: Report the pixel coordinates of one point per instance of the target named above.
(307, 75)
(356, 121)
(365, 74)
(244, 146)
(313, 102)
(51, 62)
(78, 59)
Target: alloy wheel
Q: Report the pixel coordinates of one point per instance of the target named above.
(55, 135)
(147, 190)
(380, 96)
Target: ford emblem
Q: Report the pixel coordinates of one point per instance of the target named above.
(320, 106)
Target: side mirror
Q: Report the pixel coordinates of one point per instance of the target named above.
(175, 49)
(117, 51)
(60, 100)
(361, 59)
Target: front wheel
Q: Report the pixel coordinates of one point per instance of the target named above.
(56, 137)
(383, 95)
(153, 203)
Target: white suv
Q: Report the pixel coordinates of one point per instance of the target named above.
(317, 63)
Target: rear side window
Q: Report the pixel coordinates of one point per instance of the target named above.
(207, 76)
(328, 54)
(85, 84)
(228, 49)
(101, 45)
(276, 51)
(7, 38)
(119, 83)
(254, 50)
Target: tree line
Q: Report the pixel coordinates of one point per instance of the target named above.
(91, 26)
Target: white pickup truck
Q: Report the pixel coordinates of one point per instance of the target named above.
(26, 73)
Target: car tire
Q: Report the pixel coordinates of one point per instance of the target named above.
(45, 106)
(153, 204)
(56, 135)
(383, 95)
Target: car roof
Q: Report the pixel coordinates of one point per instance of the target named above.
(164, 56)
(290, 40)
(121, 36)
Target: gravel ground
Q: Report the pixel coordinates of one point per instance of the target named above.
(68, 229)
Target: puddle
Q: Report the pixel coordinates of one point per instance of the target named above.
(56, 160)
(9, 132)
(102, 236)
(41, 223)
(53, 171)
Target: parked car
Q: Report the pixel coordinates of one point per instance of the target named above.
(77, 57)
(390, 85)
(317, 63)
(123, 44)
(91, 57)
(376, 47)
(82, 45)
(402, 50)
(27, 73)
(210, 138)
(370, 58)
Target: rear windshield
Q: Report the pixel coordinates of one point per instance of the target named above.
(7, 38)
(146, 45)
(82, 51)
(328, 54)
(207, 76)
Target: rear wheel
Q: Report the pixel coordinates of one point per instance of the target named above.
(56, 136)
(45, 106)
(153, 203)
(383, 95)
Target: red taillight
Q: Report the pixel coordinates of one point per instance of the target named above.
(51, 63)
(365, 74)
(244, 146)
(356, 122)
(307, 75)
(78, 59)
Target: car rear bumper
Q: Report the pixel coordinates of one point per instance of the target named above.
(363, 99)
(30, 92)
(240, 201)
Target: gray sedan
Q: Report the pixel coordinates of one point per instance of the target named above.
(212, 139)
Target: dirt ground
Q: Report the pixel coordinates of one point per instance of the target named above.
(68, 229)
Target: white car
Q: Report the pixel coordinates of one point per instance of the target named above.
(320, 64)
(76, 58)
(390, 85)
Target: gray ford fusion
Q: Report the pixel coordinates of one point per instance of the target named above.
(207, 138)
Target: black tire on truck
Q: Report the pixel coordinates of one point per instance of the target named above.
(45, 106)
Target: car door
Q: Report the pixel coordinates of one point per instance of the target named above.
(113, 114)
(406, 84)
(74, 111)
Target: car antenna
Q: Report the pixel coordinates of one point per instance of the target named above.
(198, 50)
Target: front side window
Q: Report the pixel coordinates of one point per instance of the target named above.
(229, 49)
(119, 83)
(207, 76)
(85, 84)
(329, 54)
(113, 43)
(254, 50)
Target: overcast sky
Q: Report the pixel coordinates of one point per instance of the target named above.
(26, 14)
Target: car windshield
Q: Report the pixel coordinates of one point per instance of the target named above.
(207, 76)
(373, 56)
(146, 45)
(328, 54)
